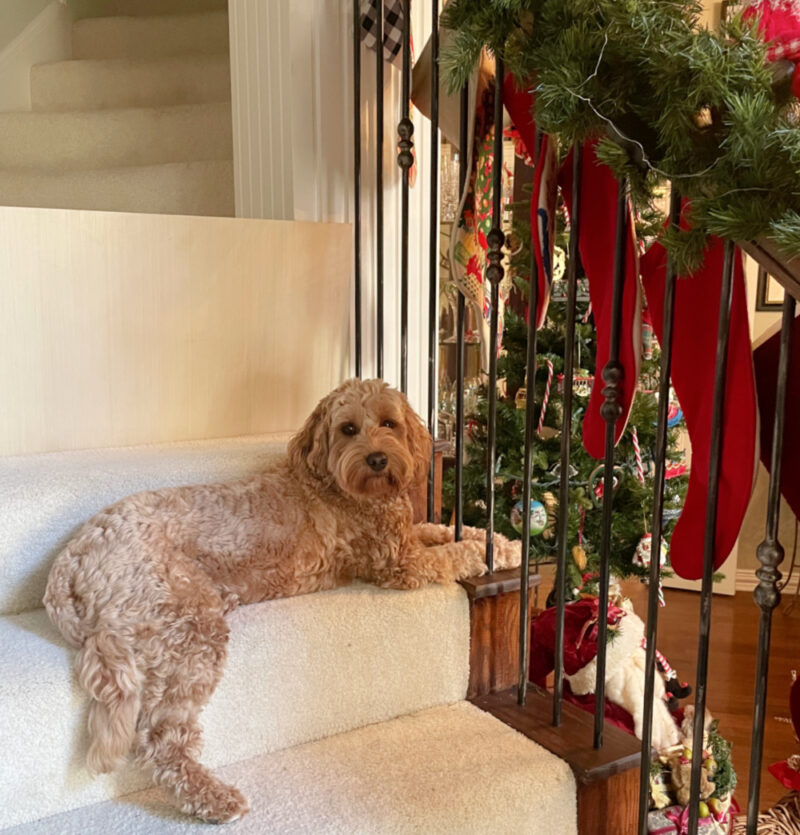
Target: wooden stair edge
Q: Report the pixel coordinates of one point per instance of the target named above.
(572, 741)
(768, 255)
(496, 583)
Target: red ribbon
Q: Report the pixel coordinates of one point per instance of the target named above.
(680, 819)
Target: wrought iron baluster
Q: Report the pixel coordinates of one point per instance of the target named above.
(379, 186)
(357, 181)
(405, 158)
(611, 410)
(527, 474)
(715, 455)
(566, 430)
(651, 631)
(433, 287)
(770, 555)
(494, 274)
(463, 139)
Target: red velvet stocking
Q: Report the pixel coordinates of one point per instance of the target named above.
(596, 244)
(693, 357)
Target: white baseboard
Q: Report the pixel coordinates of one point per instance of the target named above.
(746, 580)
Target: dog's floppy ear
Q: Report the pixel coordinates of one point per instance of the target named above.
(419, 441)
(309, 447)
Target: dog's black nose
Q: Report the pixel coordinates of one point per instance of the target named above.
(377, 461)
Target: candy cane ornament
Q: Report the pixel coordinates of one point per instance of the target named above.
(546, 398)
(638, 455)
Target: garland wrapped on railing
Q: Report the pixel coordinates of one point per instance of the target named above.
(673, 100)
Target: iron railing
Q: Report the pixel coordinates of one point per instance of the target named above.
(770, 552)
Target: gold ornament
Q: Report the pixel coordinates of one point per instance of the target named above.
(550, 503)
(579, 555)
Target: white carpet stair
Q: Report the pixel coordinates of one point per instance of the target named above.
(147, 87)
(338, 712)
(150, 37)
(450, 769)
(110, 138)
(180, 188)
(122, 82)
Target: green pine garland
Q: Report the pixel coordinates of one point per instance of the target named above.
(681, 104)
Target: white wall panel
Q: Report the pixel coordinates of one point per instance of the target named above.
(307, 83)
(119, 329)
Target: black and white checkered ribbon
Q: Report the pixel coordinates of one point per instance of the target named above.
(392, 28)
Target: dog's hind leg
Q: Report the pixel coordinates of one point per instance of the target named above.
(178, 684)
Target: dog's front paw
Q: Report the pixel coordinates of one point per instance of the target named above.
(474, 560)
(507, 553)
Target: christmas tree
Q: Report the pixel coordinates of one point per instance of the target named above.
(634, 471)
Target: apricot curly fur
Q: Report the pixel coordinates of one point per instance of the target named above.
(143, 588)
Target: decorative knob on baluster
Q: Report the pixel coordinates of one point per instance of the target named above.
(496, 240)
(405, 130)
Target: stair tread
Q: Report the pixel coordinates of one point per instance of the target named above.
(47, 495)
(298, 669)
(133, 62)
(451, 769)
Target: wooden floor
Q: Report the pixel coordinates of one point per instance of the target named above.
(734, 633)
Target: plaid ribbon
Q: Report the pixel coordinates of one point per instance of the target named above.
(392, 28)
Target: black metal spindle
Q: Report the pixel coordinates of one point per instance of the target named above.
(463, 156)
(433, 286)
(405, 158)
(357, 180)
(611, 410)
(651, 631)
(379, 186)
(527, 473)
(712, 495)
(770, 555)
(494, 274)
(566, 430)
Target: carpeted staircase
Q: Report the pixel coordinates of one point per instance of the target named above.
(339, 712)
(139, 120)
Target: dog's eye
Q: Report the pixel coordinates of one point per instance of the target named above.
(389, 424)
(350, 429)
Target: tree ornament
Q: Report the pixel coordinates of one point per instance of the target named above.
(538, 517)
(551, 506)
(637, 452)
(643, 554)
(597, 483)
(546, 398)
(647, 340)
(579, 556)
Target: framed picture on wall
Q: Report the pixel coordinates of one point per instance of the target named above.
(728, 8)
(769, 292)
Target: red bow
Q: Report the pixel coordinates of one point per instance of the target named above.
(680, 819)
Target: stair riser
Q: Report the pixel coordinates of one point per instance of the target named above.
(194, 188)
(115, 138)
(150, 37)
(138, 8)
(99, 85)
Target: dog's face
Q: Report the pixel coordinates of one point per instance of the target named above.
(365, 438)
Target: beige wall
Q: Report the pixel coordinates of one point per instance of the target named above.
(761, 326)
(120, 329)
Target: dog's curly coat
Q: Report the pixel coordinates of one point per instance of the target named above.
(144, 587)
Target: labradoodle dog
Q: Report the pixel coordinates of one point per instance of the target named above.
(143, 588)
